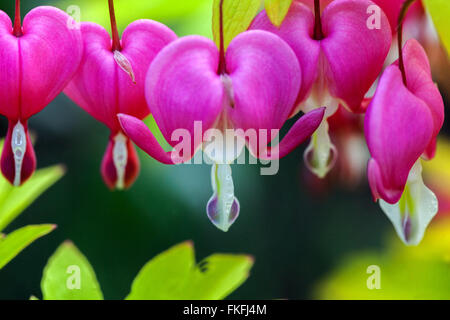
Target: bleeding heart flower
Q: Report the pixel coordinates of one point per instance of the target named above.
(340, 54)
(110, 80)
(401, 125)
(251, 86)
(36, 62)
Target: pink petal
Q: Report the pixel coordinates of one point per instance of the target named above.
(183, 87)
(300, 131)
(100, 86)
(355, 53)
(7, 159)
(36, 66)
(265, 77)
(139, 133)
(398, 128)
(420, 83)
(109, 171)
(297, 31)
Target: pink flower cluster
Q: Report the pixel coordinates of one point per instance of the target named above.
(324, 55)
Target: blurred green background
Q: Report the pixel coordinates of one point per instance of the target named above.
(296, 236)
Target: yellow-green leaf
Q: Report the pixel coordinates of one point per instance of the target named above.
(237, 17)
(185, 17)
(174, 275)
(13, 200)
(277, 10)
(401, 272)
(18, 240)
(68, 275)
(440, 13)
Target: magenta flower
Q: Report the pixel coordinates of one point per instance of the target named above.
(250, 87)
(111, 80)
(36, 62)
(401, 125)
(341, 52)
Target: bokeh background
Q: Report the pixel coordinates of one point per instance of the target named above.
(298, 229)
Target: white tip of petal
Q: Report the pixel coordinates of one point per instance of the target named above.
(321, 154)
(415, 210)
(19, 147)
(120, 157)
(223, 208)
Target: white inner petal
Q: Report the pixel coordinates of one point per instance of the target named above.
(120, 158)
(223, 207)
(321, 154)
(19, 147)
(415, 210)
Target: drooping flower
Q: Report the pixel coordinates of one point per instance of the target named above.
(36, 62)
(110, 80)
(341, 52)
(250, 87)
(401, 126)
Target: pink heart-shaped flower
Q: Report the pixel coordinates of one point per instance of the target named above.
(35, 68)
(109, 82)
(402, 123)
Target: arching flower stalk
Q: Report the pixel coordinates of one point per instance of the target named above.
(340, 53)
(401, 126)
(37, 59)
(110, 80)
(249, 87)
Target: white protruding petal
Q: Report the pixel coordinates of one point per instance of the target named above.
(120, 157)
(321, 154)
(415, 210)
(223, 207)
(19, 147)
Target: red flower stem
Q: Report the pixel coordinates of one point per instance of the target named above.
(401, 19)
(222, 62)
(115, 32)
(318, 33)
(17, 30)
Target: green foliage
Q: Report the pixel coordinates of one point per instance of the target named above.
(13, 201)
(69, 276)
(404, 271)
(172, 274)
(18, 240)
(175, 275)
(277, 10)
(440, 13)
(237, 17)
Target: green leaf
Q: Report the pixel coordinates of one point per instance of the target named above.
(69, 276)
(174, 275)
(15, 242)
(237, 17)
(13, 200)
(440, 13)
(184, 17)
(277, 10)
